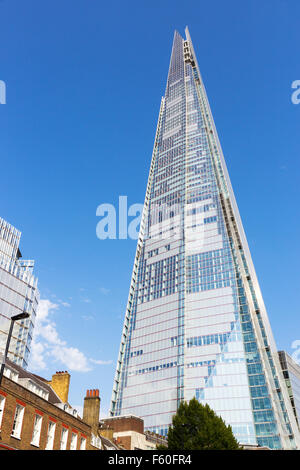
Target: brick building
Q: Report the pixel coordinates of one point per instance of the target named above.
(35, 414)
(118, 433)
(128, 433)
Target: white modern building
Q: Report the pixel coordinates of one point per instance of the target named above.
(18, 293)
(195, 323)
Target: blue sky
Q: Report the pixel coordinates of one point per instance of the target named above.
(84, 81)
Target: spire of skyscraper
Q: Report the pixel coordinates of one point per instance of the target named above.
(196, 324)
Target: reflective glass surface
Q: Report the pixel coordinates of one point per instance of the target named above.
(193, 326)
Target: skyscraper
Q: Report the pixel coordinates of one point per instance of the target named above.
(18, 293)
(195, 323)
(291, 374)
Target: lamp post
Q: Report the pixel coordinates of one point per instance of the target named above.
(20, 316)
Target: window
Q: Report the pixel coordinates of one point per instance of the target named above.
(50, 435)
(33, 387)
(136, 353)
(73, 445)
(11, 374)
(2, 404)
(63, 438)
(209, 220)
(36, 433)
(200, 393)
(18, 419)
(82, 443)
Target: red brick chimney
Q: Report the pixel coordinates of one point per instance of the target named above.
(91, 409)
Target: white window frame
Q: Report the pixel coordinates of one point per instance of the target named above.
(82, 443)
(50, 437)
(2, 406)
(18, 421)
(36, 432)
(64, 438)
(74, 440)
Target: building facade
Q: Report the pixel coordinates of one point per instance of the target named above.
(128, 432)
(35, 414)
(291, 374)
(195, 323)
(18, 293)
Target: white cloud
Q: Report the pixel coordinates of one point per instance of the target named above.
(36, 356)
(49, 333)
(87, 317)
(48, 347)
(44, 327)
(100, 362)
(72, 358)
(47, 343)
(104, 290)
(45, 307)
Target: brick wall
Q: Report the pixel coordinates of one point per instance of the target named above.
(125, 423)
(124, 441)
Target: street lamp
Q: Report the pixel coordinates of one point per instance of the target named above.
(20, 316)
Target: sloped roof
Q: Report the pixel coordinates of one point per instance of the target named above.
(24, 374)
(108, 443)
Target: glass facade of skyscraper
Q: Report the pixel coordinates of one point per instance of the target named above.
(18, 293)
(195, 324)
(291, 374)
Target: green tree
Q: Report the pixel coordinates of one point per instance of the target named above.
(197, 427)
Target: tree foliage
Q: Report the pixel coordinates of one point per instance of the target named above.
(197, 427)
